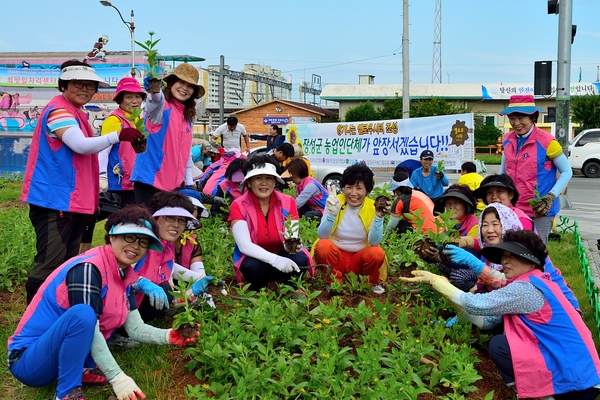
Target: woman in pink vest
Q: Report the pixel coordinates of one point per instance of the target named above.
(65, 329)
(230, 188)
(546, 348)
(167, 162)
(311, 196)
(61, 177)
(258, 223)
(533, 159)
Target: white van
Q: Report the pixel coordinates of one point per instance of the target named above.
(584, 153)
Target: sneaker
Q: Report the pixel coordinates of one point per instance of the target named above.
(75, 394)
(120, 342)
(93, 376)
(378, 288)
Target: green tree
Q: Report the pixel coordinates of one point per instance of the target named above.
(363, 112)
(392, 109)
(435, 106)
(486, 135)
(586, 111)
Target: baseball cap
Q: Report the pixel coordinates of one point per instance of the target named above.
(426, 154)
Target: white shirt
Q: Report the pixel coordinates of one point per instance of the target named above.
(350, 235)
(231, 139)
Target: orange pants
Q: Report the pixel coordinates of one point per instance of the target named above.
(364, 262)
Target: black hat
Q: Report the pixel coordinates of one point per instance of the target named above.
(494, 253)
(426, 154)
(440, 207)
(501, 180)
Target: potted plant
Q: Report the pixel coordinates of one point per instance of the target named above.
(139, 146)
(185, 321)
(151, 53)
(291, 243)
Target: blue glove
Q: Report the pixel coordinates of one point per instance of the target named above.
(201, 285)
(157, 296)
(463, 257)
(147, 83)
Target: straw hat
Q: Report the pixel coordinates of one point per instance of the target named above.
(187, 73)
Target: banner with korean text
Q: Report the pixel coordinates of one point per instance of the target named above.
(388, 142)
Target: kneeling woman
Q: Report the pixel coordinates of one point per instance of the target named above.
(310, 194)
(79, 306)
(257, 221)
(352, 228)
(543, 333)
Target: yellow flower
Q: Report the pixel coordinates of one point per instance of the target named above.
(455, 385)
(206, 386)
(446, 384)
(326, 321)
(418, 341)
(386, 333)
(185, 236)
(318, 326)
(375, 380)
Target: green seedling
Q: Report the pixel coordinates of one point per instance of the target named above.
(151, 53)
(536, 197)
(137, 122)
(440, 166)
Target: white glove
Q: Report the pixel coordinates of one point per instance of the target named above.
(333, 205)
(285, 265)
(125, 388)
(103, 183)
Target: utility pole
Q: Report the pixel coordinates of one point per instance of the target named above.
(405, 64)
(563, 82)
(436, 63)
(222, 91)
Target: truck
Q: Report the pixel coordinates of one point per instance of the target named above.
(584, 153)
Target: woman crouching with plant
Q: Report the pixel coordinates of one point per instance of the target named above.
(352, 228)
(546, 348)
(167, 161)
(64, 330)
(310, 194)
(263, 223)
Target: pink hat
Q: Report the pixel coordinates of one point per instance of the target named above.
(128, 85)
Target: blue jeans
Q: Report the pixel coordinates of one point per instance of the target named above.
(60, 353)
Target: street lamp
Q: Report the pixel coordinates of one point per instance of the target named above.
(131, 27)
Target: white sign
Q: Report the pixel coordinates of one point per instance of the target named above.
(388, 142)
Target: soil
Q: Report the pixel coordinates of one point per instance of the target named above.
(421, 246)
(382, 202)
(187, 331)
(155, 85)
(292, 245)
(139, 146)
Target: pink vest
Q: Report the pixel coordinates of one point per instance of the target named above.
(215, 179)
(283, 203)
(530, 166)
(552, 349)
(230, 188)
(155, 266)
(56, 177)
(168, 149)
(316, 202)
(122, 153)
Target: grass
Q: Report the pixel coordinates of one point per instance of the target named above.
(151, 366)
(489, 159)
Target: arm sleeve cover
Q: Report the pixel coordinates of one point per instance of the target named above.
(103, 159)
(564, 168)
(376, 232)
(102, 355)
(326, 226)
(187, 176)
(144, 333)
(392, 223)
(241, 235)
(181, 272)
(80, 144)
(155, 107)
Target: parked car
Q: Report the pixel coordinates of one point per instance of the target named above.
(584, 153)
(326, 174)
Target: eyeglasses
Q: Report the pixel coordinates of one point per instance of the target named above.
(143, 241)
(172, 220)
(81, 85)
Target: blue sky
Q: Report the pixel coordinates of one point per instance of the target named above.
(483, 41)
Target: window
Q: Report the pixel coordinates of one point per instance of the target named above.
(590, 137)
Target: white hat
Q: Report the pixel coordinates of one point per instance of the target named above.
(192, 222)
(129, 228)
(196, 173)
(204, 213)
(396, 185)
(265, 169)
(81, 73)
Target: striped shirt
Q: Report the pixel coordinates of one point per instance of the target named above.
(60, 118)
